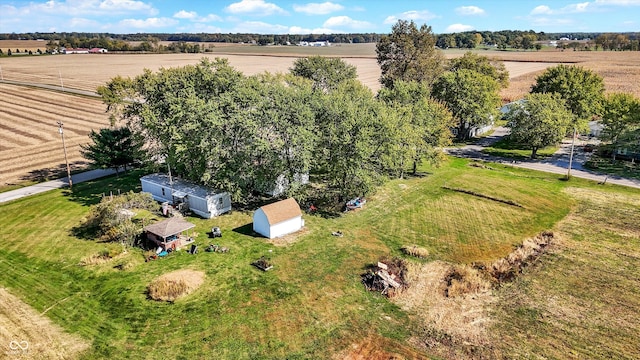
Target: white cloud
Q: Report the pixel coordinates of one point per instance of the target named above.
(469, 10)
(318, 8)
(148, 23)
(569, 9)
(552, 22)
(345, 21)
(259, 27)
(255, 7)
(454, 28)
(415, 15)
(576, 8)
(193, 16)
(123, 5)
(542, 9)
(182, 14)
(302, 31)
(82, 24)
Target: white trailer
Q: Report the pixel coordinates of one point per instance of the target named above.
(201, 200)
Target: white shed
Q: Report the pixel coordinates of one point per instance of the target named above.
(278, 219)
(202, 200)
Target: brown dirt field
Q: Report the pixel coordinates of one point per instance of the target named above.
(28, 116)
(31, 147)
(23, 45)
(26, 334)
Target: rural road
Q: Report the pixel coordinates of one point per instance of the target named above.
(556, 164)
(54, 184)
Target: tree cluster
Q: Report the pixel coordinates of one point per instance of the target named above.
(240, 133)
(112, 219)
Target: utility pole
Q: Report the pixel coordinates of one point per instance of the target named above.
(61, 131)
(573, 141)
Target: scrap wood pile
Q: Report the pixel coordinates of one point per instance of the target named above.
(387, 277)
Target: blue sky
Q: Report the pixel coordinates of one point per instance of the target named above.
(317, 16)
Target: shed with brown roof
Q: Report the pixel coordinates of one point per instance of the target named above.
(278, 219)
(169, 233)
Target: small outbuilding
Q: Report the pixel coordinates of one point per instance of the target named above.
(169, 234)
(278, 219)
(203, 201)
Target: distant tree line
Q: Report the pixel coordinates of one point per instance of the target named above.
(516, 39)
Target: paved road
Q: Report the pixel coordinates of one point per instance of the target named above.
(556, 164)
(54, 184)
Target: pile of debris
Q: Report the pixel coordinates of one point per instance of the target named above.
(387, 277)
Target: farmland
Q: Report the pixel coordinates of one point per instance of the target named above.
(312, 305)
(31, 148)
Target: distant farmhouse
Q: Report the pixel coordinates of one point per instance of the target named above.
(84, 51)
(314, 43)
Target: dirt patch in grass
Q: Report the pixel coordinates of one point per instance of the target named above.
(451, 326)
(378, 348)
(26, 334)
(174, 285)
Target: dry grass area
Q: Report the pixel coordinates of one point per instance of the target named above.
(581, 302)
(452, 327)
(26, 334)
(174, 285)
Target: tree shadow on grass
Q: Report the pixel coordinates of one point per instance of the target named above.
(91, 192)
(54, 172)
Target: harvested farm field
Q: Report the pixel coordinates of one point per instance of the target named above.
(30, 147)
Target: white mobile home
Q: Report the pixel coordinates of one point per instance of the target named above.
(278, 219)
(204, 201)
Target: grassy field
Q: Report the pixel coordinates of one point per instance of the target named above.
(312, 305)
(508, 149)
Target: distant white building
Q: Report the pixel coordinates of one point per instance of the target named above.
(75, 51)
(314, 43)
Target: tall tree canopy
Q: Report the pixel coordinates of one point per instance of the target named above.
(242, 134)
(621, 120)
(428, 122)
(582, 89)
(482, 64)
(326, 73)
(538, 121)
(471, 96)
(409, 54)
(114, 148)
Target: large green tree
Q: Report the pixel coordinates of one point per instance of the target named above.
(482, 64)
(538, 121)
(621, 121)
(114, 148)
(427, 128)
(326, 73)
(582, 89)
(472, 97)
(409, 54)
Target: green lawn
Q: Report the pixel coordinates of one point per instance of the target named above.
(508, 149)
(311, 305)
